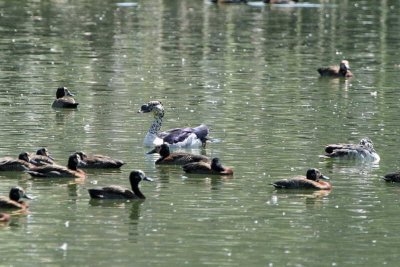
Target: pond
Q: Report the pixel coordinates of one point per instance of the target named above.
(249, 72)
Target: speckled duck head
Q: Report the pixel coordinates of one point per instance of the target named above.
(315, 175)
(367, 143)
(153, 106)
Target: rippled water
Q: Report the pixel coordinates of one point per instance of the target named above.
(247, 71)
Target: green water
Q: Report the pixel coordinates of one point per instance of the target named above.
(249, 72)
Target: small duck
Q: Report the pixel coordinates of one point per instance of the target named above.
(310, 181)
(180, 137)
(4, 217)
(392, 177)
(118, 192)
(343, 70)
(14, 200)
(57, 171)
(41, 158)
(362, 151)
(176, 158)
(98, 161)
(202, 167)
(20, 164)
(64, 99)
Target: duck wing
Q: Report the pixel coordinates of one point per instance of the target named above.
(177, 135)
(197, 167)
(111, 192)
(54, 171)
(65, 102)
(100, 161)
(296, 183)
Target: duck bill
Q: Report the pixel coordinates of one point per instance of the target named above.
(153, 151)
(148, 179)
(324, 177)
(50, 157)
(27, 196)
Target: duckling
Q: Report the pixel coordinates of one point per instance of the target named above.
(310, 181)
(214, 168)
(361, 151)
(64, 99)
(57, 171)
(42, 157)
(343, 70)
(176, 158)
(179, 137)
(98, 161)
(14, 200)
(118, 192)
(20, 164)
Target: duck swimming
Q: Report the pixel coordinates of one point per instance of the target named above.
(64, 99)
(20, 164)
(14, 200)
(310, 181)
(362, 151)
(57, 171)
(343, 70)
(118, 192)
(215, 168)
(392, 177)
(180, 137)
(98, 161)
(176, 158)
(41, 158)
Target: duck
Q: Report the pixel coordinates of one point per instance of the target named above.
(343, 70)
(392, 177)
(42, 157)
(20, 164)
(98, 161)
(201, 167)
(176, 158)
(57, 171)
(363, 151)
(14, 200)
(4, 217)
(118, 192)
(64, 99)
(312, 180)
(178, 137)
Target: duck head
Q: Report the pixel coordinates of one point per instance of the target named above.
(153, 106)
(63, 91)
(24, 156)
(138, 175)
(43, 152)
(315, 175)
(163, 150)
(216, 165)
(74, 160)
(16, 193)
(344, 66)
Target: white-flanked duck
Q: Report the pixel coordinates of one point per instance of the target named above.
(363, 151)
(98, 161)
(64, 99)
(343, 70)
(213, 168)
(312, 180)
(14, 200)
(180, 137)
(176, 158)
(119, 192)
